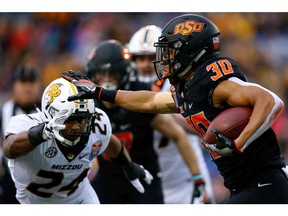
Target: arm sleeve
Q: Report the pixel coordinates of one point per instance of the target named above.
(103, 130)
(273, 115)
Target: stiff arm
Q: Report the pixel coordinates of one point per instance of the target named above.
(146, 101)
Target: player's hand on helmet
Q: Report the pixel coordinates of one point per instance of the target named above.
(87, 89)
(52, 128)
(224, 145)
(199, 195)
(135, 172)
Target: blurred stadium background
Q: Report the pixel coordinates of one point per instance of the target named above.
(57, 42)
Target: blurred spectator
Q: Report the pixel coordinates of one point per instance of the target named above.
(26, 94)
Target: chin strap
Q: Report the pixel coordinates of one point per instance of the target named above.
(195, 60)
(69, 143)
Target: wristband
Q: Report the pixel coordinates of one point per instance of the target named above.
(198, 179)
(35, 134)
(107, 95)
(238, 150)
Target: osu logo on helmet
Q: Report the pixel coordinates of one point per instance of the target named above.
(186, 28)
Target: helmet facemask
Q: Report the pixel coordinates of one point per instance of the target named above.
(105, 73)
(72, 136)
(164, 61)
(173, 63)
(111, 58)
(141, 47)
(145, 68)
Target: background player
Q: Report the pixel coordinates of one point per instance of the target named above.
(26, 94)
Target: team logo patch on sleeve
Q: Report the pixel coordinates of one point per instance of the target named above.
(216, 42)
(95, 150)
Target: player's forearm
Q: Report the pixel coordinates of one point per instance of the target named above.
(172, 130)
(182, 121)
(146, 101)
(267, 106)
(117, 152)
(138, 101)
(266, 110)
(16, 145)
(188, 154)
(114, 148)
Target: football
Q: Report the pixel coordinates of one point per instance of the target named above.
(230, 122)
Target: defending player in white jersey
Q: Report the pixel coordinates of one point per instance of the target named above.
(50, 152)
(175, 174)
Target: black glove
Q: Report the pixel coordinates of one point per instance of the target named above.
(200, 195)
(88, 89)
(134, 172)
(71, 75)
(224, 142)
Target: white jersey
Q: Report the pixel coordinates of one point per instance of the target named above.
(44, 175)
(175, 175)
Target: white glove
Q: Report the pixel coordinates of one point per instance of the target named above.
(137, 184)
(200, 195)
(285, 169)
(53, 127)
(134, 172)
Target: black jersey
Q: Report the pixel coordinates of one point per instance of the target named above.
(195, 105)
(134, 130)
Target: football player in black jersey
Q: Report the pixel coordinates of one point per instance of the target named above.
(203, 84)
(110, 67)
(175, 174)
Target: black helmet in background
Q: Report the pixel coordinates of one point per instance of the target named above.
(111, 58)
